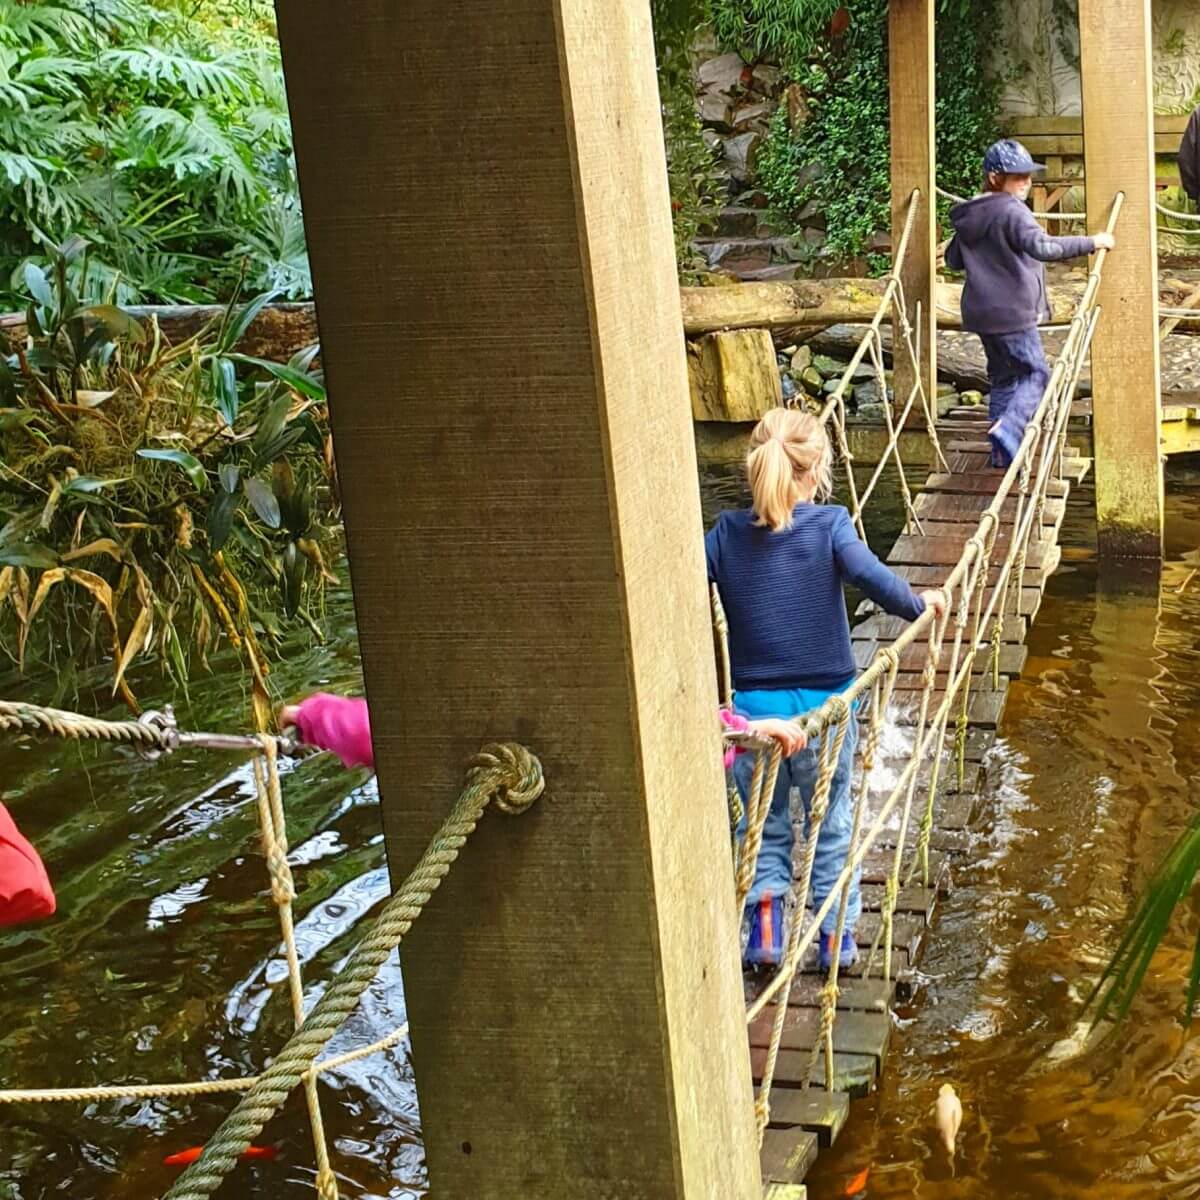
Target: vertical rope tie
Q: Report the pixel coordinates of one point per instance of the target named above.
(283, 890)
(832, 738)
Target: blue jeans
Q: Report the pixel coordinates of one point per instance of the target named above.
(1017, 375)
(773, 875)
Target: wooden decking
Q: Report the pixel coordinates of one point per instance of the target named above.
(805, 1120)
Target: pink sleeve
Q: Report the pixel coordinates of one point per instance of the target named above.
(339, 724)
(25, 891)
(739, 724)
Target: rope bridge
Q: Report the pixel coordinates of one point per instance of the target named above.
(983, 587)
(505, 776)
(937, 665)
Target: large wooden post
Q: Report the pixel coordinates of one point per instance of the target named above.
(1118, 145)
(486, 203)
(914, 166)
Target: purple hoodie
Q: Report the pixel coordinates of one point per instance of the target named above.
(1002, 248)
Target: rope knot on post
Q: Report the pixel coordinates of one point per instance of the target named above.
(510, 774)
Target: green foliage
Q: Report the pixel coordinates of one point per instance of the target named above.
(160, 131)
(840, 158)
(695, 186)
(155, 499)
(1172, 883)
(787, 29)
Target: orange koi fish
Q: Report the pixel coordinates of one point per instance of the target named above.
(185, 1158)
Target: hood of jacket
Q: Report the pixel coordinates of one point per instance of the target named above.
(972, 219)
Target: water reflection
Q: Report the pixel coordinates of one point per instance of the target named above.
(1094, 778)
(164, 961)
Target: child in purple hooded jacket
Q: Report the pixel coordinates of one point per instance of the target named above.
(1002, 248)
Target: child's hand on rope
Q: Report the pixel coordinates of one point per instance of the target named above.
(935, 599)
(1104, 241)
(788, 734)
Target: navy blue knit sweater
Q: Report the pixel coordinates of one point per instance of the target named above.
(783, 595)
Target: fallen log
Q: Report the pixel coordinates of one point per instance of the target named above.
(276, 333)
(816, 302)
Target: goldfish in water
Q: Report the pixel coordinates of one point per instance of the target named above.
(947, 1115)
(186, 1157)
(858, 1184)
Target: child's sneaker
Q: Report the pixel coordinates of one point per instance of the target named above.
(848, 956)
(767, 937)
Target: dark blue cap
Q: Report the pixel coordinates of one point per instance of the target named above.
(1009, 157)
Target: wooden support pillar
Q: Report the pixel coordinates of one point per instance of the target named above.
(486, 203)
(1118, 125)
(914, 166)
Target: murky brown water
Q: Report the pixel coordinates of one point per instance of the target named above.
(1095, 775)
(163, 962)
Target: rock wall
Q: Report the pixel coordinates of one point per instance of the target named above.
(736, 101)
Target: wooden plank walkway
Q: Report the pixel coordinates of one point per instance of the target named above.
(806, 1119)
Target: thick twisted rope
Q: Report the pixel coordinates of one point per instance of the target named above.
(509, 777)
(16, 716)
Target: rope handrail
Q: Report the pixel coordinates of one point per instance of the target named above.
(1041, 216)
(833, 412)
(506, 776)
(980, 593)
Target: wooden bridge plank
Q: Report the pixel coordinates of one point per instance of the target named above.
(946, 549)
(854, 1074)
(984, 707)
(883, 628)
(820, 1112)
(942, 506)
(853, 1032)
(971, 483)
(863, 995)
(912, 658)
(786, 1157)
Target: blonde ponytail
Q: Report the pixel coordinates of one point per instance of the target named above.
(789, 452)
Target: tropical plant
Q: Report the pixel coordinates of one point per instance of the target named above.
(155, 499)
(1173, 882)
(158, 131)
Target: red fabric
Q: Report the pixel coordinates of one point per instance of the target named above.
(25, 891)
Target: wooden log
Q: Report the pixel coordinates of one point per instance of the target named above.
(1118, 118)
(276, 333)
(525, 552)
(815, 302)
(733, 376)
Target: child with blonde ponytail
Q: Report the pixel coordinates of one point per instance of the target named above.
(780, 567)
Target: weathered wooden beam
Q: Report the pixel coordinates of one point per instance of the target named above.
(1118, 115)
(525, 545)
(913, 167)
(822, 302)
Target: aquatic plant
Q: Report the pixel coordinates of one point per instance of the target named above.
(1173, 882)
(156, 500)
